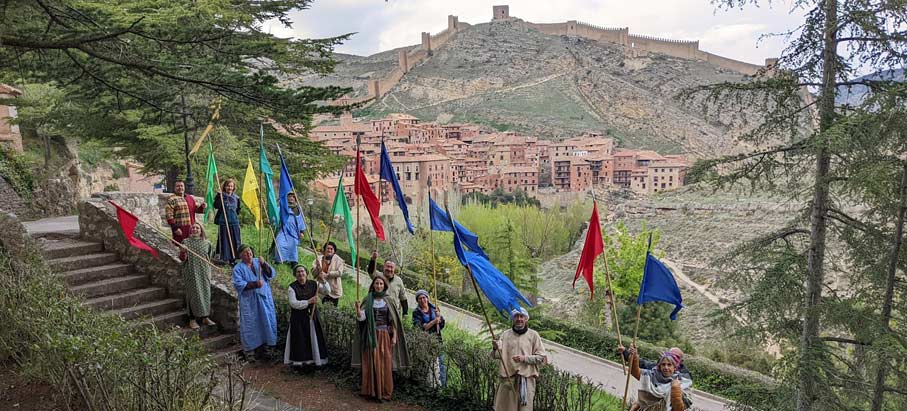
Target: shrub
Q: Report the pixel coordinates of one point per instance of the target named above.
(96, 358)
(16, 170)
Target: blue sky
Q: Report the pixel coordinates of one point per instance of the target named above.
(384, 25)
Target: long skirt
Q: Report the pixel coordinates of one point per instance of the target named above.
(224, 250)
(507, 397)
(198, 292)
(377, 368)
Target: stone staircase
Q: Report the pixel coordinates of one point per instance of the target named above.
(109, 284)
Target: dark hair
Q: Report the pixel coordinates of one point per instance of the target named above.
(298, 266)
(329, 243)
(179, 181)
(371, 286)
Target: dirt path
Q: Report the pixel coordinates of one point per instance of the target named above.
(313, 391)
(20, 393)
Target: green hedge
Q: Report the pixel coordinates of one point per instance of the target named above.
(17, 172)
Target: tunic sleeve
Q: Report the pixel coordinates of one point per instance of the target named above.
(239, 282)
(294, 303)
(168, 212)
(539, 356)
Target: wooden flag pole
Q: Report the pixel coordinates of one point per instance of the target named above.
(180, 245)
(604, 257)
(434, 272)
(356, 263)
(623, 403)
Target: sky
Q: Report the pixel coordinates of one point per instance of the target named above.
(383, 25)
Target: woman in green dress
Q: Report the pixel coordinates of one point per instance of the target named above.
(197, 276)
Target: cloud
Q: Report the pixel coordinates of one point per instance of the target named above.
(383, 25)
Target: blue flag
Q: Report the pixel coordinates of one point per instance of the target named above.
(387, 174)
(658, 284)
(286, 187)
(439, 222)
(499, 290)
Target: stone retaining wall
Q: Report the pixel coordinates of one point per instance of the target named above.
(98, 222)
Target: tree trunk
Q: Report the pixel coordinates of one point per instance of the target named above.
(171, 176)
(815, 275)
(878, 394)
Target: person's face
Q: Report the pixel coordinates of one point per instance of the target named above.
(423, 301)
(301, 275)
(231, 187)
(291, 199)
(378, 286)
(196, 230)
(519, 321)
(390, 269)
(328, 250)
(179, 188)
(246, 255)
(666, 367)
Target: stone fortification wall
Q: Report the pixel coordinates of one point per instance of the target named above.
(10, 202)
(730, 64)
(98, 222)
(675, 48)
(616, 35)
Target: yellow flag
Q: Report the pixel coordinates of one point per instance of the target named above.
(250, 194)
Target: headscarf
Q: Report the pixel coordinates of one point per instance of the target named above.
(243, 247)
(368, 307)
(421, 292)
(519, 310)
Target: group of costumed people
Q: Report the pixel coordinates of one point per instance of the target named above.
(380, 346)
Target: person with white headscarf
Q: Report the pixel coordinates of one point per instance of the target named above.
(523, 355)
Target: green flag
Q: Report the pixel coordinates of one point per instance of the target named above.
(212, 170)
(342, 208)
(268, 175)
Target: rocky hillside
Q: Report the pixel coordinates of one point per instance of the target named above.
(696, 229)
(498, 75)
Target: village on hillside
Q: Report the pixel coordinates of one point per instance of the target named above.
(472, 159)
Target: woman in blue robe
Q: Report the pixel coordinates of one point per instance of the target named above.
(292, 225)
(257, 317)
(228, 238)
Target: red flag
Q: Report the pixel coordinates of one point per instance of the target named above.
(128, 223)
(592, 248)
(364, 191)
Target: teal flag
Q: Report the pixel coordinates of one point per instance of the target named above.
(212, 185)
(342, 208)
(268, 174)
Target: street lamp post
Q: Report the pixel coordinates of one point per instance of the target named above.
(190, 182)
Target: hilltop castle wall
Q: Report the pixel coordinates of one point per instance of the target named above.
(636, 45)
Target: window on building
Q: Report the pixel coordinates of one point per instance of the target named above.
(662, 185)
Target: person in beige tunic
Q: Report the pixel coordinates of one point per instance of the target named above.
(328, 268)
(523, 354)
(396, 291)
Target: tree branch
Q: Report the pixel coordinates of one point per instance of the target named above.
(17, 42)
(844, 340)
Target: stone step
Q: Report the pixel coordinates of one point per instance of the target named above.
(218, 341)
(126, 298)
(82, 261)
(167, 320)
(225, 355)
(149, 308)
(202, 332)
(70, 248)
(86, 275)
(110, 286)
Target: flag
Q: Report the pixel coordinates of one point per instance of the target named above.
(439, 222)
(250, 194)
(212, 185)
(268, 176)
(127, 224)
(592, 248)
(658, 284)
(364, 191)
(342, 208)
(499, 290)
(387, 174)
(286, 187)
